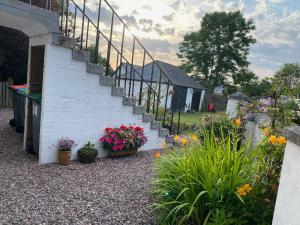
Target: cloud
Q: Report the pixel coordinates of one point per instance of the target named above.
(157, 45)
(170, 31)
(169, 17)
(147, 7)
(176, 5)
(146, 24)
(130, 21)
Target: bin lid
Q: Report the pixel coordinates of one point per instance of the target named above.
(16, 87)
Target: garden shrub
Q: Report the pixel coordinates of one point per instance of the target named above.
(206, 183)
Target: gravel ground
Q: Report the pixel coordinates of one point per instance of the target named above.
(106, 192)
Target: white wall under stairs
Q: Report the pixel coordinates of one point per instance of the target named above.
(75, 105)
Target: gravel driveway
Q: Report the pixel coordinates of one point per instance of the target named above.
(106, 192)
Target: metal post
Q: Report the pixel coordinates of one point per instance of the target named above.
(158, 96)
(82, 25)
(166, 102)
(109, 44)
(75, 16)
(132, 58)
(150, 89)
(62, 15)
(87, 34)
(122, 48)
(98, 33)
(142, 80)
(178, 122)
(67, 17)
(171, 125)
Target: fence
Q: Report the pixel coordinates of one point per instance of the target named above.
(5, 94)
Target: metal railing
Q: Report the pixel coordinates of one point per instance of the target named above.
(97, 27)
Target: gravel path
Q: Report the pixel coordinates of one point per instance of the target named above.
(106, 192)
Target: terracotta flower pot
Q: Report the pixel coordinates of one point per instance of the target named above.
(64, 157)
(122, 153)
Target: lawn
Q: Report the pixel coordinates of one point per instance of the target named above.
(192, 118)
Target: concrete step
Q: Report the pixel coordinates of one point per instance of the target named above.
(163, 132)
(64, 41)
(139, 109)
(147, 117)
(81, 55)
(107, 81)
(129, 101)
(94, 68)
(155, 125)
(118, 91)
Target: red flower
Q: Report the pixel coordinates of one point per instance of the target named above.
(138, 129)
(123, 127)
(108, 129)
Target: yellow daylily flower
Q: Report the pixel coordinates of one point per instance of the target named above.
(184, 141)
(157, 154)
(281, 140)
(237, 122)
(194, 138)
(273, 139)
(244, 190)
(176, 138)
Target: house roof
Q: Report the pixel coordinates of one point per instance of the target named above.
(174, 74)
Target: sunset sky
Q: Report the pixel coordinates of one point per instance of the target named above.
(161, 25)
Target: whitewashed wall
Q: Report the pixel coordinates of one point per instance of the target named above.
(74, 105)
(287, 208)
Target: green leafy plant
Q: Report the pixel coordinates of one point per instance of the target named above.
(88, 153)
(205, 183)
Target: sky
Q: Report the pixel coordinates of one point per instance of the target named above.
(161, 25)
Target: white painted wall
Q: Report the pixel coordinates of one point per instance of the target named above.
(232, 108)
(201, 100)
(287, 208)
(74, 105)
(189, 97)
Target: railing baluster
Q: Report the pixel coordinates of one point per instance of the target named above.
(132, 58)
(67, 17)
(125, 81)
(150, 90)
(109, 44)
(87, 35)
(133, 80)
(62, 15)
(166, 103)
(116, 73)
(74, 27)
(82, 25)
(98, 33)
(142, 80)
(158, 96)
(122, 47)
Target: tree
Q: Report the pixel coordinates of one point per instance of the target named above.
(219, 49)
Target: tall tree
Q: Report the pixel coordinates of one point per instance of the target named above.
(219, 49)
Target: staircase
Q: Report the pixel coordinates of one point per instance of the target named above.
(84, 30)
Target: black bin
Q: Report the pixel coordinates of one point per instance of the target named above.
(36, 121)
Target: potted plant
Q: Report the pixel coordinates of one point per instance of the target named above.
(65, 146)
(123, 140)
(88, 153)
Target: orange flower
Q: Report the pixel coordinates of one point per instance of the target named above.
(184, 141)
(194, 137)
(244, 190)
(176, 138)
(281, 140)
(237, 122)
(157, 155)
(273, 139)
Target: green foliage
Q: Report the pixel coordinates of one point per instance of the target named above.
(219, 49)
(88, 153)
(97, 58)
(198, 184)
